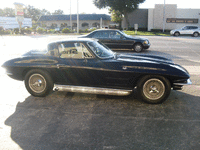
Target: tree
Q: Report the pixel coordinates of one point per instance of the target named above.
(123, 6)
(32, 12)
(1, 12)
(58, 12)
(7, 12)
(116, 16)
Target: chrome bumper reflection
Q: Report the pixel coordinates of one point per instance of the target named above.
(92, 90)
(189, 82)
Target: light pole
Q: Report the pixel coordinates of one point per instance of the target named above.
(77, 17)
(164, 17)
(70, 16)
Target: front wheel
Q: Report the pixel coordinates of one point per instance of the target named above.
(38, 83)
(153, 89)
(138, 47)
(176, 34)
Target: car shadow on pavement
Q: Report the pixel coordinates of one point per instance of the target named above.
(83, 121)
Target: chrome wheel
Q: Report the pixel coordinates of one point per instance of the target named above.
(138, 48)
(176, 34)
(37, 83)
(153, 89)
(196, 34)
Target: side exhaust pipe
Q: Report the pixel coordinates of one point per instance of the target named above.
(92, 90)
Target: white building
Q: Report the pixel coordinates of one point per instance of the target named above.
(153, 18)
(11, 23)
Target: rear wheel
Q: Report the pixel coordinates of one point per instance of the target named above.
(138, 47)
(195, 34)
(153, 89)
(38, 83)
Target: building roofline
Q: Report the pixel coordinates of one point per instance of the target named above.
(74, 17)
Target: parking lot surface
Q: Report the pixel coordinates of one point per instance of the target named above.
(98, 122)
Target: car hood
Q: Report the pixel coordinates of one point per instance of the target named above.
(135, 38)
(144, 59)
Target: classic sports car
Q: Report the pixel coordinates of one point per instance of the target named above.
(86, 65)
(118, 40)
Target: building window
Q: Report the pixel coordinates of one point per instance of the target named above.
(86, 25)
(181, 20)
(74, 25)
(96, 25)
(54, 25)
(63, 25)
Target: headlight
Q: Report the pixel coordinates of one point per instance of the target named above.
(146, 42)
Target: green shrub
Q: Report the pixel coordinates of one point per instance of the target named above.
(66, 30)
(40, 30)
(86, 30)
(51, 31)
(16, 30)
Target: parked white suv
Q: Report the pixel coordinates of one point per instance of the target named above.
(187, 30)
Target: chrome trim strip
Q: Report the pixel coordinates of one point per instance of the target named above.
(92, 90)
(9, 74)
(189, 82)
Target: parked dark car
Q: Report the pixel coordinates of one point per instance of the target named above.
(86, 65)
(116, 40)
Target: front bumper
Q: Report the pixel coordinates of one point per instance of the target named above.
(179, 84)
(186, 82)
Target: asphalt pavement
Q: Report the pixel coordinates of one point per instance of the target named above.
(74, 121)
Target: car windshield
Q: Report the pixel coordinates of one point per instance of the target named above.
(123, 33)
(101, 50)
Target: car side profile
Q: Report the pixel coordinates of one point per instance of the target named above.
(88, 66)
(187, 30)
(118, 40)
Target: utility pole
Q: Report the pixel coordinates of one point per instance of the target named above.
(164, 17)
(70, 15)
(77, 17)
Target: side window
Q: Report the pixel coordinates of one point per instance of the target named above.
(98, 35)
(115, 35)
(73, 50)
(53, 50)
(193, 27)
(105, 34)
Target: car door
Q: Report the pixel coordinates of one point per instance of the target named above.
(103, 37)
(119, 41)
(77, 65)
(186, 30)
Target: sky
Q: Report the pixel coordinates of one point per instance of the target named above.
(87, 6)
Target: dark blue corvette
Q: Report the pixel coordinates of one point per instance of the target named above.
(87, 65)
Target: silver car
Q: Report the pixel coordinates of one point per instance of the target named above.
(187, 30)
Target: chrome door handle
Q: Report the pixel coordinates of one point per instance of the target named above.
(60, 65)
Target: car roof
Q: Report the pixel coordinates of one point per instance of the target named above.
(106, 30)
(75, 40)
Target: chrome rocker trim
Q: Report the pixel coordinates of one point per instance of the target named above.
(92, 90)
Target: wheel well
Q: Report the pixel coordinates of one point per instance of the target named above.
(137, 43)
(29, 69)
(177, 32)
(137, 79)
(196, 32)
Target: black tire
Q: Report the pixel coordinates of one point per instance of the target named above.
(195, 34)
(153, 89)
(138, 47)
(176, 34)
(38, 83)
